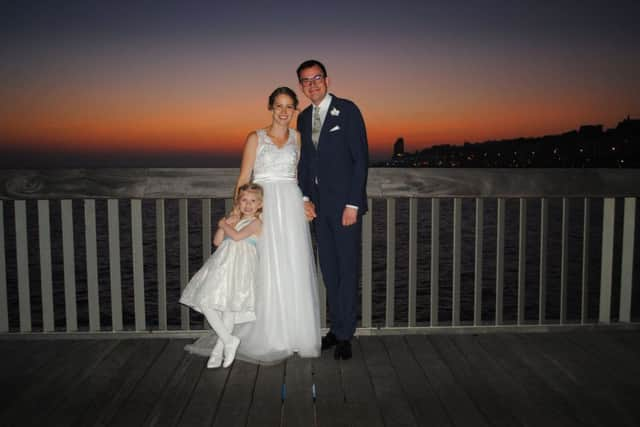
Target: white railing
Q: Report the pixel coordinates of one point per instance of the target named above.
(30, 197)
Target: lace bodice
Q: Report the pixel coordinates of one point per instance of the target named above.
(273, 163)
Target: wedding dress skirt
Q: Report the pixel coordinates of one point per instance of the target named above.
(286, 289)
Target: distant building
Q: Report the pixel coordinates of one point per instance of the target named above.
(590, 131)
(398, 148)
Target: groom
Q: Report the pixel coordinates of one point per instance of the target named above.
(332, 174)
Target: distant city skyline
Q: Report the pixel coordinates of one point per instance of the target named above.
(183, 83)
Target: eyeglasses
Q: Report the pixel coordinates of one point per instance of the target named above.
(310, 81)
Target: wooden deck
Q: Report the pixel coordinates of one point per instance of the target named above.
(581, 378)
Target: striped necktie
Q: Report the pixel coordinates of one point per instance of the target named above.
(316, 126)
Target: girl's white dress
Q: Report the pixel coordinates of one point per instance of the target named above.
(226, 280)
(286, 309)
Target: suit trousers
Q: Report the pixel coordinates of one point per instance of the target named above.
(339, 253)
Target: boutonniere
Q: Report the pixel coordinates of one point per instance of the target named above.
(335, 112)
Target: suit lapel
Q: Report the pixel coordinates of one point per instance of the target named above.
(328, 120)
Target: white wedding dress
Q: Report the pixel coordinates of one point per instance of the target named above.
(286, 290)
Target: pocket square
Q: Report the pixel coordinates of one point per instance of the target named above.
(335, 128)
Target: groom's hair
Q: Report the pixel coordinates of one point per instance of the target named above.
(311, 63)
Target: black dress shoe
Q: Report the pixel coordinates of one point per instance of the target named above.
(329, 341)
(343, 350)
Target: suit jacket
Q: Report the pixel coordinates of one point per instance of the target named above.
(335, 174)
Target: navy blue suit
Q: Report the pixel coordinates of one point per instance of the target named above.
(332, 176)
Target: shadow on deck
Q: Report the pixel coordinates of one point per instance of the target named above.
(578, 378)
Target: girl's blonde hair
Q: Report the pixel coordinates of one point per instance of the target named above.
(252, 188)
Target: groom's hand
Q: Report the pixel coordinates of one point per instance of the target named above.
(309, 210)
(349, 216)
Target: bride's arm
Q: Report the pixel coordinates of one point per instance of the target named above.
(248, 159)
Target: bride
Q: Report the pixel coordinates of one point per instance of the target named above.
(286, 299)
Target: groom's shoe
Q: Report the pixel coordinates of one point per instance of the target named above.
(329, 341)
(343, 350)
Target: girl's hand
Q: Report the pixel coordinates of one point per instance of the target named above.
(233, 219)
(222, 222)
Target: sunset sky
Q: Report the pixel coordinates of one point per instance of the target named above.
(181, 83)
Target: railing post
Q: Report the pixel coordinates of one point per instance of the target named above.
(391, 262)
(522, 260)
(584, 300)
(542, 284)
(161, 263)
(367, 248)
(626, 277)
(138, 264)
(115, 265)
(68, 249)
(457, 260)
(4, 307)
(413, 259)
(500, 260)
(435, 260)
(183, 221)
(22, 260)
(606, 270)
(46, 282)
(477, 287)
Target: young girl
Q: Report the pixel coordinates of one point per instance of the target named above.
(223, 289)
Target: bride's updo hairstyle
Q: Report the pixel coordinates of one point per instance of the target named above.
(283, 91)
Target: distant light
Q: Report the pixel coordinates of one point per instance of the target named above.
(613, 148)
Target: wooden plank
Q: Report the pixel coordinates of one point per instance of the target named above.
(457, 260)
(591, 381)
(93, 299)
(266, 404)
(525, 369)
(234, 407)
(22, 263)
(514, 395)
(392, 400)
(626, 277)
(58, 382)
(584, 293)
(360, 406)
(149, 390)
(564, 260)
(71, 412)
(460, 408)
(201, 408)
(23, 365)
(70, 305)
(138, 264)
(422, 397)
(391, 264)
(522, 260)
(114, 265)
(161, 263)
(46, 282)
(177, 392)
(478, 261)
(435, 260)
(544, 238)
(500, 221)
(298, 405)
(413, 262)
(183, 221)
(606, 269)
(108, 399)
(367, 265)
(489, 401)
(330, 406)
(4, 307)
